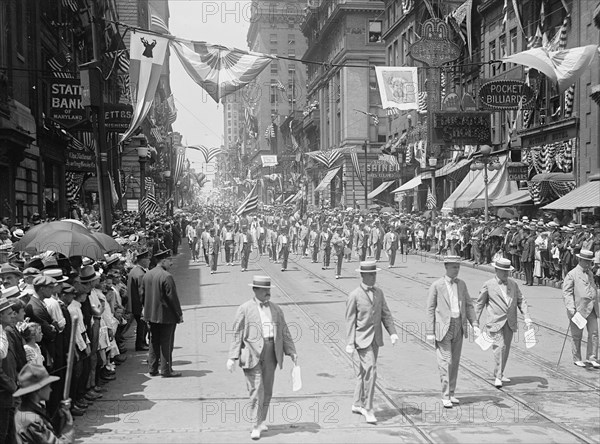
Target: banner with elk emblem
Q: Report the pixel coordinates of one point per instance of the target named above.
(147, 55)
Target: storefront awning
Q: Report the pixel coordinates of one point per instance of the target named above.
(411, 184)
(586, 196)
(553, 177)
(449, 168)
(327, 179)
(470, 193)
(380, 189)
(517, 198)
(289, 199)
(296, 196)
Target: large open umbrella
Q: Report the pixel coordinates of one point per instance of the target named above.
(47, 229)
(108, 243)
(68, 242)
(507, 213)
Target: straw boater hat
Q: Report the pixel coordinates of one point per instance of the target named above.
(11, 292)
(368, 267)
(5, 304)
(260, 282)
(33, 377)
(586, 255)
(452, 259)
(503, 264)
(55, 273)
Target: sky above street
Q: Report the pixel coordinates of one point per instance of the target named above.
(199, 117)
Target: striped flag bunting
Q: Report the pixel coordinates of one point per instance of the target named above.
(375, 117)
(327, 158)
(73, 183)
(156, 133)
(392, 112)
(147, 55)
(59, 64)
(149, 204)
(422, 102)
(72, 5)
(208, 153)
(295, 145)
(270, 132)
(219, 70)
(250, 203)
(569, 99)
(356, 165)
(279, 86)
(431, 200)
(179, 163)
(125, 92)
(157, 23)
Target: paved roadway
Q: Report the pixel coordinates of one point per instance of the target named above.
(543, 403)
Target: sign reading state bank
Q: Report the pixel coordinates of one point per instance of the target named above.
(506, 94)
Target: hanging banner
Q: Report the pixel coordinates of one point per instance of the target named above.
(398, 86)
(65, 102)
(147, 55)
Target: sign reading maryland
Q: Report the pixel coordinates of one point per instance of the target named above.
(65, 102)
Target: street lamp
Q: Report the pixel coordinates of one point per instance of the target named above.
(143, 158)
(432, 167)
(486, 162)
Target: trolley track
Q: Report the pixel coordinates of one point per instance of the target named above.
(468, 365)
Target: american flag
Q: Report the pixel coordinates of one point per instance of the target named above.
(149, 204)
(431, 200)
(279, 86)
(422, 102)
(327, 158)
(71, 5)
(219, 70)
(73, 183)
(250, 203)
(179, 162)
(251, 123)
(270, 132)
(59, 64)
(155, 131)
(375, 117)
(157, 23)
(171, 110)
(356, 165)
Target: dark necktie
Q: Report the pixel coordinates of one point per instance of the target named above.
(264, 304)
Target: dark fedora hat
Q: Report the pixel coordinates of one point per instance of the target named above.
(88, 273)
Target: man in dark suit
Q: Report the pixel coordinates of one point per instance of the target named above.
(136, 297)
(246, 240)
(528, 255)
(162, 311)
(366, 311)
(449, 308)
(501, 297)
(259, 354)
(36, 310)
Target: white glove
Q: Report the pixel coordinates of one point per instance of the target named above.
(394, 339)
(230, 365)
(528, 323)
(350, 349)
(477, 331)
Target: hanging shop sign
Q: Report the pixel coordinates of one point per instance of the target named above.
(65, 102)
(435, 48)
(517, 171)
(560, 131)
(382, 169)
(506, 94)
(455, 128)
(82, 161)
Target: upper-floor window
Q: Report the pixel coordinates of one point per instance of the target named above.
(292, 53)
(291, 39)
(273, 39)
(492, 55)
(513, 49)
(374, 31)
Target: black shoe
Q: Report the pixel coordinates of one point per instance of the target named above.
(142, 348)
(171, 375)
(82, 404)
(108, 377)
(119, 359)
(153, 373)
(76, 411)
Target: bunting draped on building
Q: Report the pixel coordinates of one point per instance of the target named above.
(60, 65)
(431, 200)
(327, 158)
(219, 70)
(149, 204)
(147, 55)
(250, 203)
(73, 183)
(157, 23)
(207, 153)
(356, 166)
(463, 19)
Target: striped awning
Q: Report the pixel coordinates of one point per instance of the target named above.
(411, 184)
(451, 167)
(586, 196)
(327, 179)
(553, 177)
(380, 189)
(289, 199)
(517, 198)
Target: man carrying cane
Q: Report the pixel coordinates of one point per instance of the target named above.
(581, 300)
(366, 310)
(259, 354)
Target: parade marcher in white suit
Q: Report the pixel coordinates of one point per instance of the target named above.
(449, 309)
(501, 297)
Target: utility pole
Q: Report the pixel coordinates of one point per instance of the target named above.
(92, 83)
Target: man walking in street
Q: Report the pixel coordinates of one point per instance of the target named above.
(162, 311)
(390, 245)
(501, 297)
(449, 308)
(135, 300)
(528, 255)
(246, 240)
(581, 297)
(366, 311)
(259, 354)
(338, 241)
